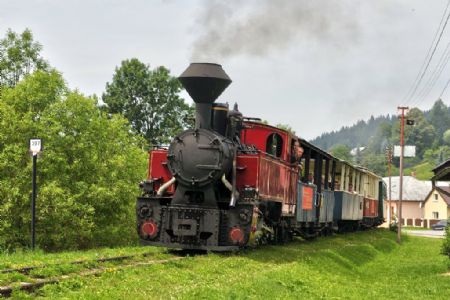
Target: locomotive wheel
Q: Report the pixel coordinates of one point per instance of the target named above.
(283, 234)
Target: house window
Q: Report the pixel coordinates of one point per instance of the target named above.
(435, 215)
(436, 197)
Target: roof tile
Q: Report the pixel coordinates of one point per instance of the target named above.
(445, 193)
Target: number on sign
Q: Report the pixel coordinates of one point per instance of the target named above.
(35, 146)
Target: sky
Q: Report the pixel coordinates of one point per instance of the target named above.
(316, 65)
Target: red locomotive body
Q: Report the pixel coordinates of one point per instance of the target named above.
(158, 171)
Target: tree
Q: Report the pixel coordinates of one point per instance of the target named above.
(87, 174)
(286, 127)
(375, 162)
(378, 143)
(358, 156)
(422, 134)
(342, 152)
(149, 99)
(19, 56)
(440, 118)
(436, 156)
(446, 137)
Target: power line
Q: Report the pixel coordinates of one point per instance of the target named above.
(429, 85)
(407, 96)
(426, 63)
(431, 57)
(443, 90)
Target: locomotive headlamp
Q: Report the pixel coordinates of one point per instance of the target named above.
(149, 229)
(236, 235)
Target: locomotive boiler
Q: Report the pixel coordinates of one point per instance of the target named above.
(233, 181)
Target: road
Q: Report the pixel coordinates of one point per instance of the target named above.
(426, 233)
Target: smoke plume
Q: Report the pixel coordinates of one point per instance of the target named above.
(255, 28)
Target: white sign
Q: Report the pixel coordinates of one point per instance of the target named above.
(410, 151)
(35, 146)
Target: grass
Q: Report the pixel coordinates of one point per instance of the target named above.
(414, 228)
(364, 265)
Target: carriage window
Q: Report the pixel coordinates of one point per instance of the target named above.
(274, 144)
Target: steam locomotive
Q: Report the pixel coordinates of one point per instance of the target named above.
(234, 182)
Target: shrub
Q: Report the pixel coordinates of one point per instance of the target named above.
(446, 245)
(87, 173)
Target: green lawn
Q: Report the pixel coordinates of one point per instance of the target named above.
(364, 265)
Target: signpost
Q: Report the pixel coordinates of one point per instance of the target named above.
(409, 151)
(35, 148)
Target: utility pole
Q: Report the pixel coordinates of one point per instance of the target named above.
(389, 159)
(402, 153)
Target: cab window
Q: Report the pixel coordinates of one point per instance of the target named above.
(274, 144)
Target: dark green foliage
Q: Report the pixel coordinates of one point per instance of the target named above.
(375, 162)
(352, 136)
(19, 56)
(437, 155)
(422, 134)
(439, 117)
(393, 227)
(87, 174)
(446, 245)
(341, 151)
(446, 137)
(149, 99)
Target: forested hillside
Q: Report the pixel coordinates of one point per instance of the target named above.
(369, 139)
(353, 136)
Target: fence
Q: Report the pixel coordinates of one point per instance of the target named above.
(425, 223)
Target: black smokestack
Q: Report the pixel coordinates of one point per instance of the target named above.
(204, 82)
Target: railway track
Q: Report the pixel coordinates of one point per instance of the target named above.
(37, 282)
(26, 270)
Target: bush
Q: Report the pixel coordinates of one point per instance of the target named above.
(393, 226)
(87, 174)
(446, 245)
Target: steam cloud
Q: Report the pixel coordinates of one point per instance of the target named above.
(255, 28)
